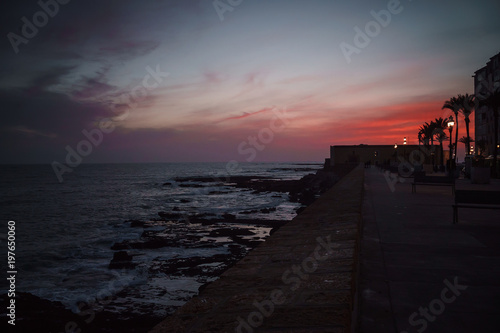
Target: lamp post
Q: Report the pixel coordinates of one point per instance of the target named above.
(451, 123)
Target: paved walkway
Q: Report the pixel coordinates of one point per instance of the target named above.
(421, 273)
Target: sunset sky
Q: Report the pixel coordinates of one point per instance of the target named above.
(262, 76)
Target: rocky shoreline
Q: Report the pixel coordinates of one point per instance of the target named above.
(236, 233)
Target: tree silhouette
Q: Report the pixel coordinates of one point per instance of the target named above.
(439, 126)
(453, 105)
(466, 103)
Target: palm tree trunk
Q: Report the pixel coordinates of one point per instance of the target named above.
(433, 161)
(442, 151)
(467, 121)
(456, 135)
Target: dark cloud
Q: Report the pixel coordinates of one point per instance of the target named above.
(43, 122)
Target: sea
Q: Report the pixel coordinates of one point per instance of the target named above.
(65, 230)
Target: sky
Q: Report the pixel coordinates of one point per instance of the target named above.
(230, 80)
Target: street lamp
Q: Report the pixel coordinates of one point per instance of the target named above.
(404, 140)
(451, 123)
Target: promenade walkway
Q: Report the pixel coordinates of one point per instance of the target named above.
(421, 273)
(302, 279)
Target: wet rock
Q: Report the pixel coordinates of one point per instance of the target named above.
(137, 224)
(247, 212)
(229, 232)
(217, 192)
(169, 216)
(228, 217)
(191, 185)
(149, 243)
(39, 315)
(268, 210)
(122, 260)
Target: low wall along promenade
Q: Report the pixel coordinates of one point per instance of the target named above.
(301, 279)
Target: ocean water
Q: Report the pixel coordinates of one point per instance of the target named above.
(64, 231)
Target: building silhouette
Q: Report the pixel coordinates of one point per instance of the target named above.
(486, 80)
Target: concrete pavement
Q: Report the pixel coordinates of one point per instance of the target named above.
(421, 273)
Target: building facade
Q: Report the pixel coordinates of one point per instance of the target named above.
(486, 80)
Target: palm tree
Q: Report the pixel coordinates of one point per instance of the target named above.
(426, 132)
(466, 103)
(440, 125)
(431, 127)
(454, 106)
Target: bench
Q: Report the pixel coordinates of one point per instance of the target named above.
(421, 179)
(475, 199)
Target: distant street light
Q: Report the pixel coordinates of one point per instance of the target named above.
(404, 142)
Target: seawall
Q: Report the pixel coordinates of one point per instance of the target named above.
(301, 279)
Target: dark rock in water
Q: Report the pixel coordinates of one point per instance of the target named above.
(268, 210)
(122, 256)
(137, 224)
(191, 185)
(167, 184)
(228, 232)
(121, 260)
(37, 315)
(229, 217)
(148, 243)
(185, 200)
(34, 314)
(225, 179)
(249, 212)
(217, 192)
(169, 216)
(175, 209)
